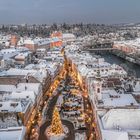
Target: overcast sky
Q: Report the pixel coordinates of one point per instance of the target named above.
(70, 11)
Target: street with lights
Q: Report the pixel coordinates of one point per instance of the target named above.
(74, 108)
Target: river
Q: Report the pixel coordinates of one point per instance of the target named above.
(132, 69)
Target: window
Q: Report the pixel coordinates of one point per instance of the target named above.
(98, 90)
(0, 105)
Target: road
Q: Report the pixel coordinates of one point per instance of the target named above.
(49, 114)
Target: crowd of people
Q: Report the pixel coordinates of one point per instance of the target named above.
(70, 103)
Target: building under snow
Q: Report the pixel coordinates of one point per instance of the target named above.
(120, 124)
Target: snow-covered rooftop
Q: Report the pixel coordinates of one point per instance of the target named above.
(35, 87)
(41, 41)
(29, 41)
(137, 87)
(50, 66)
(10, 50)
(38, 74)
(120, 124)
(111, 135)
(8, 120)
(125, 119)
(130, 43)
(88, 65)
(68, 35)
(22, 55)
(14, 133)
(18, 95)
(14, 105)
(112, 99)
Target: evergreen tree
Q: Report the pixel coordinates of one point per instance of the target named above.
(56, 125)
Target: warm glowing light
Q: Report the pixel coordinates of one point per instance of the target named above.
(33, 130)
(93, 125)
(56, 125)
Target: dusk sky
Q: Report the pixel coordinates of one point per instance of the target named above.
(70, 11)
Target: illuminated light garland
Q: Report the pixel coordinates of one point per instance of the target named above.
(56, 125)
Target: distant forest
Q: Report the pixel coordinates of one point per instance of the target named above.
(45, 30)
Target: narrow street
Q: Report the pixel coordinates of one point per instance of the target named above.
(49, 113)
